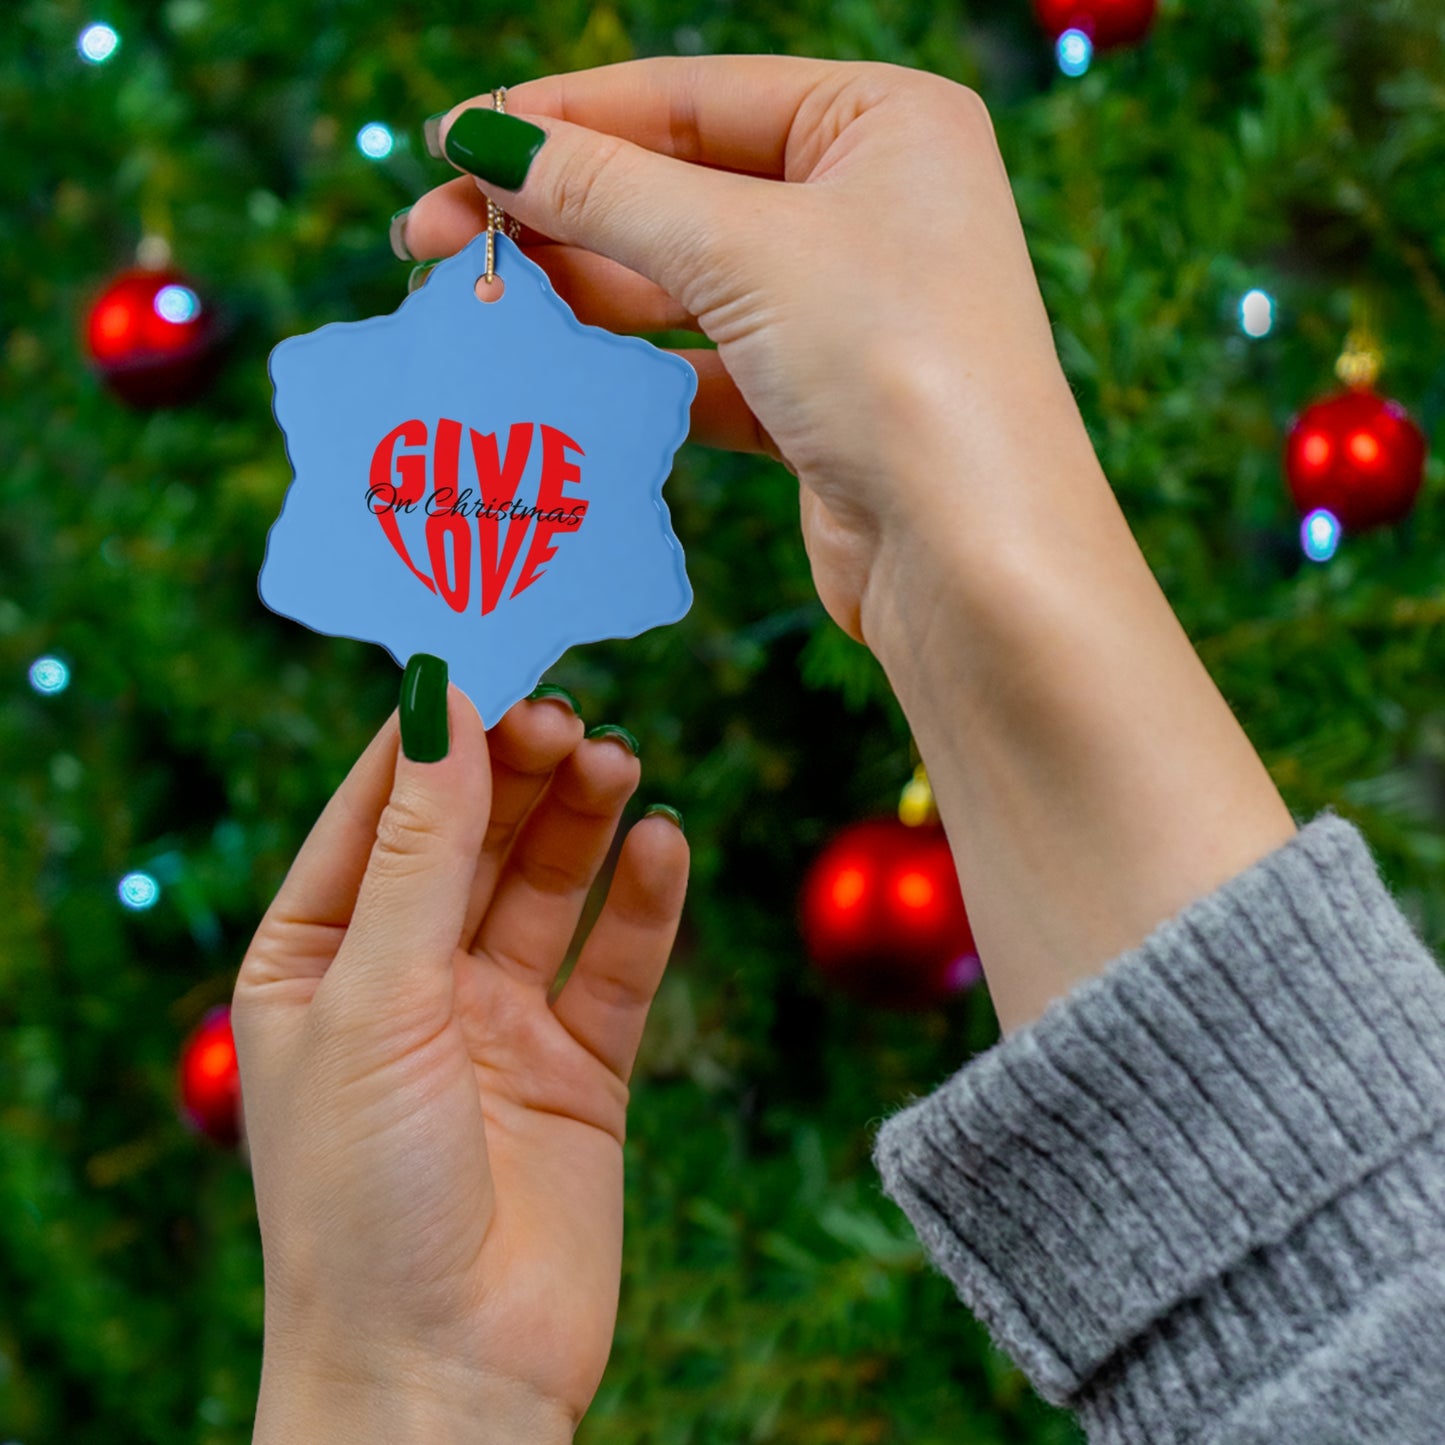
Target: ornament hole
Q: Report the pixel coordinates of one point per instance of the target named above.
(489, 291)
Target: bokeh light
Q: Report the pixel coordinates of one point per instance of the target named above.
(375, 141)
(1075, 52)
(1315, 451)
(97, 43)
(138, 891)
(177, 304)
(1320, 535)
(964, 971)
(1256, 313)
(49, 675)
(1364, 448)
(914, 889)
(849, 887)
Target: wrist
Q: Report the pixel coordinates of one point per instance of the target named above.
(984, 519)
(1092, 779)
(321, 1400)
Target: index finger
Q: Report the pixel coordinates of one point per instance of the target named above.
(734, 112)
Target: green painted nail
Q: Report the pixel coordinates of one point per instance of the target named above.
(419, 274)
(667, 811)
(425, 737)
(396, 233)
(550, 689)
(431, 133)
(614, 730)
(498, 148)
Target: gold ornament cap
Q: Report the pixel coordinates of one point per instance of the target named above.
(915, 804)
(1360, 361)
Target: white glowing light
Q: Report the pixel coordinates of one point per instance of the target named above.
(1075, 52)
(177, 304)
(375, 140)
(97, 43)
(138, 891)
(49, 675)
(1256, 313)
(1320, 535)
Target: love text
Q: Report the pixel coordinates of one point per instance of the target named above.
(408, 457)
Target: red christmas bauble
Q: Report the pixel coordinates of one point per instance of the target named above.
(210, 1081)
(152, 338)
(883, 916)
(1358, 455)
(1107, 23)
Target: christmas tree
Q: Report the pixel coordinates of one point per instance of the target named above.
(1212, 211)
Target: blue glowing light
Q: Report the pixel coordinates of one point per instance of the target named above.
(138, 891)
(1075, 52)
(375, 140)
(49, 675)
(1320, 535)
(97, 43)
(177, 304)
(1256, 313)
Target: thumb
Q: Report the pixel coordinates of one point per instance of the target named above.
(411, 905)
(664, 218)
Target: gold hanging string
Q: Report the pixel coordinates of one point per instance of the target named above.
(497, 218)
(153, 253)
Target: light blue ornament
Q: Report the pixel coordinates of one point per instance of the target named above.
(478, 480)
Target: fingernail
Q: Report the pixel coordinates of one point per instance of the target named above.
(396, 233)
(667, 812)
(550, 689)
(431, 133)
(498, 148)
(614, 730)
(424, 734)
(419, 274)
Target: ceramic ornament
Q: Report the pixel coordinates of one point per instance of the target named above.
(478, 480)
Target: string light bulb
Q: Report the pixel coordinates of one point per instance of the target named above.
(1075, 52)
(375, 141)
(1320, 535)
(138, 891)
(49, 675)
(97, 43)
(1256, 313)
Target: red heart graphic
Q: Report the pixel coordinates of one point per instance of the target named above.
(498, 478)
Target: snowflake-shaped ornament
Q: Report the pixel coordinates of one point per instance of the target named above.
(478, 480)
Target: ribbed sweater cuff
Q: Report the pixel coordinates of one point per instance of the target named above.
(1169, 1145)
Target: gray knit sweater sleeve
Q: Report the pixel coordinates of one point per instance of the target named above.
(1202, 1199)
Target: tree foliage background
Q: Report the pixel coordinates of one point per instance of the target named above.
(771, 1293)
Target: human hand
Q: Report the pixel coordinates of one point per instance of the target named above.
(437, 1150)
(847, 235)
(878, 324)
